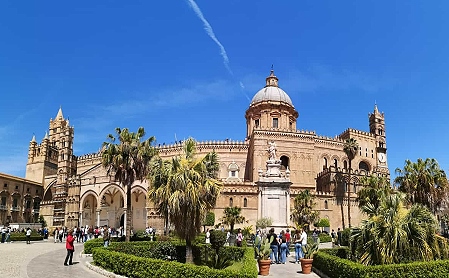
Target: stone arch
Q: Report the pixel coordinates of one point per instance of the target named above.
(285, 162)
(323, 161)
(85, 194)
(364, 165)
(111, 186)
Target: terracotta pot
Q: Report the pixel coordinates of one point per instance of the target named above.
(264, 267)
(306, 265)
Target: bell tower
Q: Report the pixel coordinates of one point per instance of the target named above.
(377, 127)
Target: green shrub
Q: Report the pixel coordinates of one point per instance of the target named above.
(22, 236)
(138, 267)
(333, 266)
(346, 236)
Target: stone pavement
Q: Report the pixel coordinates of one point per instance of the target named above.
(46, 259)
(290, 269)
(41, 259)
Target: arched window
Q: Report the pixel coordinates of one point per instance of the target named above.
(245, 202)
(363, 166)
(326, 206)
(324, 163)
(231, 202)
(335, 163)
(355, 188)
(345, 164)
(284, 162)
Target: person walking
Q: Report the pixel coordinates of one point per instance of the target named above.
(28, 235)
(274, 246)
(239, 238)
(8, 235)
(339, 236)
(283, 249)
(298, 248)
(70, 248)
(3, 234)
(106, 236)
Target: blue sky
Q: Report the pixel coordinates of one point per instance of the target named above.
(157, 64)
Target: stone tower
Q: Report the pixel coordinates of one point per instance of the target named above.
(54, 157)
(377, 127)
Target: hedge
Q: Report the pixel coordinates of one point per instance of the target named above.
(336, 267)
(138, 267)
(22, 237)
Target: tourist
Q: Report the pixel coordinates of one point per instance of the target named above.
(8, 234)
(3, 234)
(28, 235)
(283, 249)
(56, 234)
(70, 248)
(239, 238)
(303, 240)
(315, 235)
(207, 237)
(61, 234)
(298, 248)
(106, 236)
(339, 237)
(288, 238)
(333, 237)
(273, 246)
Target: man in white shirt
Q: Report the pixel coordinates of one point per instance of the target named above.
(303, 240)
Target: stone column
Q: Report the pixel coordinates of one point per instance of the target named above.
(124, 222)
(259, 205)
(98, 217)
(81, 219)
(288, 207)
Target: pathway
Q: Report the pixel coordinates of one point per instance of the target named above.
(46, 259)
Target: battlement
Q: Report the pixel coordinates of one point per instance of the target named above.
(205, 145)
(346, 134)
(89, 156)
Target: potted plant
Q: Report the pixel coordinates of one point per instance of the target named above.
(309, 251)
(262, 250)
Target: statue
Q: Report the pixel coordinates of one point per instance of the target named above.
(272, 151)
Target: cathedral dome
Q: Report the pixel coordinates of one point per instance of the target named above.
(271, 92)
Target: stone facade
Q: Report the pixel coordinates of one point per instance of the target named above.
(19, 200)
(78, 190)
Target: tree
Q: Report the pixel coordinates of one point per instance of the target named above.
(264, 222)
(232, 216)
(395, 234)
(42, 221)
(373, 188)
(303, 212)
(209, 219)
(350, 148)
(184, 189)
(128, 161)
(423, 182)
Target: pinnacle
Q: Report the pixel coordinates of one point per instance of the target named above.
(59, 115)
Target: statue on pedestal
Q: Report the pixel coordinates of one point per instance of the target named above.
(272, 151)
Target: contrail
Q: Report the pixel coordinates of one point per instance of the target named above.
(211, 34)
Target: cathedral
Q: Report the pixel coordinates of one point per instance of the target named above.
(262, 174)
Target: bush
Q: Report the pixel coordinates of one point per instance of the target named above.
(346, 236)
(336, 267)
(138, 267)
(16, 236)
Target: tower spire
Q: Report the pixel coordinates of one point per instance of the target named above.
(59, 115)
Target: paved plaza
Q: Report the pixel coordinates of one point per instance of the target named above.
(46, 259)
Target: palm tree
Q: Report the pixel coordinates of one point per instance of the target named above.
(395, 234)
(303, 213)
(128, 160)
(231, 216)
(424, 182)
(350, 148)
(184, 189)
(373, 188)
